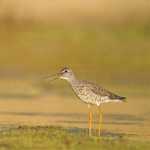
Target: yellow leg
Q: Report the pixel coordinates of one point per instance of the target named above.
(100, 120)
(90, 121)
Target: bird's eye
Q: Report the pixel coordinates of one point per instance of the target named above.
(66, 71)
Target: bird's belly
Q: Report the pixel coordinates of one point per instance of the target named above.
(87, 96)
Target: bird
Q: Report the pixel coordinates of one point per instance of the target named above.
(89, 93)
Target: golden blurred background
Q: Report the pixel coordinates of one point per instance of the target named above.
(112, 11)
(108, 37)
(105, 41)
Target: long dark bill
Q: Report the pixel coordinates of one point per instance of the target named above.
(52, 77)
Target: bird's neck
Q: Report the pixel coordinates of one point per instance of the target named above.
(73, 80)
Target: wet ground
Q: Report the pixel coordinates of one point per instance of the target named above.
(24, 104)
(131, 118)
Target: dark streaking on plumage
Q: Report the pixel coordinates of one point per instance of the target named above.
(87, 91)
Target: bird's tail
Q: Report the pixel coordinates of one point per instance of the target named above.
(122, 98)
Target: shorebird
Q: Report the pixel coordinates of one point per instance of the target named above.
(88, 92)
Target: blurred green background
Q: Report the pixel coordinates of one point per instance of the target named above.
(107, 42)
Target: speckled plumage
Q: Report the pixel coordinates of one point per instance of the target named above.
(89, 92)
(93, 94)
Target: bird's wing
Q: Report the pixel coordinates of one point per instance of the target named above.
(102, 92)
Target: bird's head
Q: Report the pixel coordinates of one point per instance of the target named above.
(65, 73)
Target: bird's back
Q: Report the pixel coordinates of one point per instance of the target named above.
(94, 94)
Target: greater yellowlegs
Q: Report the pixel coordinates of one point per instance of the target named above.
(89, 93)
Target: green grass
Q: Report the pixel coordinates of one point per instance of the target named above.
(56, 138)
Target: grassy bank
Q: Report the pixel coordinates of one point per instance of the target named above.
(38, 138)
